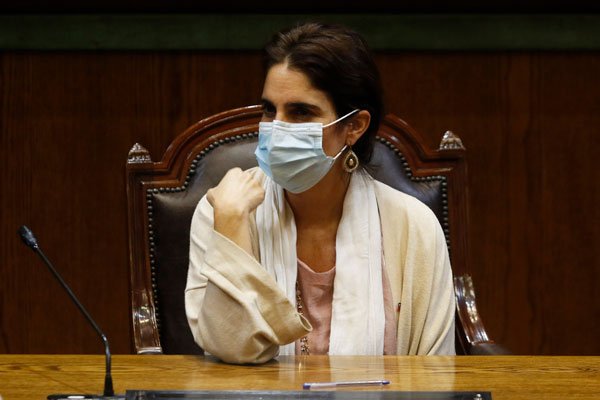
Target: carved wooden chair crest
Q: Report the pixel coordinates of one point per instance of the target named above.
(162, 197)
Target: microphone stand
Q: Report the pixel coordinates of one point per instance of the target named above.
(30, 240)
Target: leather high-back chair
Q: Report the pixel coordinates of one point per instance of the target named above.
(162, 197)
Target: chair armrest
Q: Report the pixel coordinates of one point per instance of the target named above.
(472, 338)
(145, 329)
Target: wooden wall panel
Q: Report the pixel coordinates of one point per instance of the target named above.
(529, 121)
(67, 123)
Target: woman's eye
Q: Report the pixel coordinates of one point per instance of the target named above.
(301, 111)
(301, 114)
(269, 112)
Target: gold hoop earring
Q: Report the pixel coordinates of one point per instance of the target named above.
(350, 161)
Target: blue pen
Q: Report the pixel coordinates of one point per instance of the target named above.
(328, 385)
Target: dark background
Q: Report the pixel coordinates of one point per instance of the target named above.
(530, 121)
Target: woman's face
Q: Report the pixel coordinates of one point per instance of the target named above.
(289, 96)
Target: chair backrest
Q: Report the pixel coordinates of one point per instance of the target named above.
(162, 197)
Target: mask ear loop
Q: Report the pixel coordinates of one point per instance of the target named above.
(340, 152)
(351, 160)
(341, 118)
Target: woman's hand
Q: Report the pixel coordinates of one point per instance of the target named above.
(233, 199)
(238, 194)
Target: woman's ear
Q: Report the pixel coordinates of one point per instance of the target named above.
(357, 126)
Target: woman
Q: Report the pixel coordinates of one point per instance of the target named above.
(307, 254)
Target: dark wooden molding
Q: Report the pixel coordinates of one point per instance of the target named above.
(224, 31)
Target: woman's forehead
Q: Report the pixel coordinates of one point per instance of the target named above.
(284, 85)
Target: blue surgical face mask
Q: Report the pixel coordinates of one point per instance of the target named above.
(292, 153)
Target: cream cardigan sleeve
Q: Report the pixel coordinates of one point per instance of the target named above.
(235, 309)
(420, 276)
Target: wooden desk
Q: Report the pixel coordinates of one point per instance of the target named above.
(507, 377)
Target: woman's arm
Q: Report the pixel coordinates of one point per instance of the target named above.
(234, 307)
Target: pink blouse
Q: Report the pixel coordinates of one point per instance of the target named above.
(316, 290)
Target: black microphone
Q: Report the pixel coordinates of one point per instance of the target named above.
(109, 393)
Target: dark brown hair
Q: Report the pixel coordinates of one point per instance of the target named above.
(337, 61)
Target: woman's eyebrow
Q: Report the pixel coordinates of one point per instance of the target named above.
(265, 103)
(306, 106)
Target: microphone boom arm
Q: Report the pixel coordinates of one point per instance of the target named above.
(30, 241)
